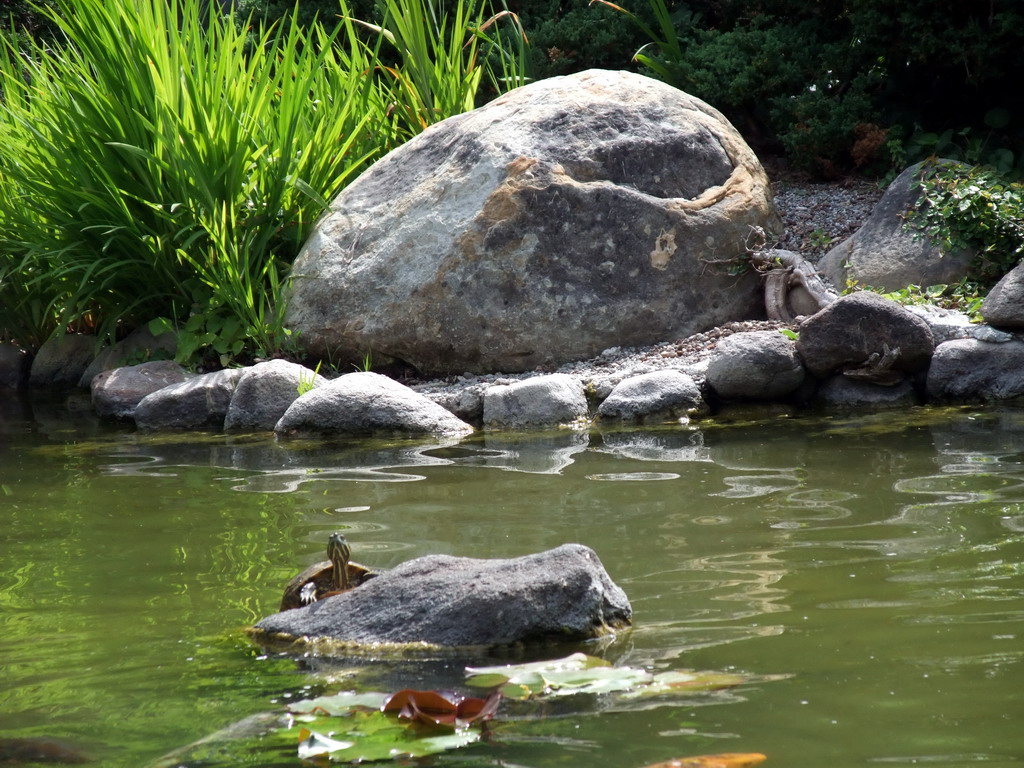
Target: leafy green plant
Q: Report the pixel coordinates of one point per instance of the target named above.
(175, 164)
(444, 57)
(351, 726)
(306, 384)
(964, 296)
(820, 239)
(973, 208)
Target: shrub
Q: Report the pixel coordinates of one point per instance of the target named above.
(803, 76)
(974, 208)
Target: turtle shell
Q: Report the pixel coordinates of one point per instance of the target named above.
(322, 575)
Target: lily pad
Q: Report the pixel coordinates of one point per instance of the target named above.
(371, 736)
(580, 673)
(686, 681)
(339, 704)
(441, 707)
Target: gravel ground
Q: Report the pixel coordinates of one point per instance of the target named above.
(815, 216)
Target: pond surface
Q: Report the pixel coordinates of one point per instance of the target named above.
(866, 574)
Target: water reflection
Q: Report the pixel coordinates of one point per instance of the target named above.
(875, 565)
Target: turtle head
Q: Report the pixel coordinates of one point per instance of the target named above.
(338, 552)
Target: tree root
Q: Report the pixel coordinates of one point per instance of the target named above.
(792, 285)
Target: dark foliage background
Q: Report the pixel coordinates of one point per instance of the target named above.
(834, 85)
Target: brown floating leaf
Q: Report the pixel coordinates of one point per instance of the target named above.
(441, 707)
(722, 760)
(472, 709)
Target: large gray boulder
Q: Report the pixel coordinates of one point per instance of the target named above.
(117, 393)
(541, 401)
(61, 360)
(562, 595)
(1004, 305)
(200, 402)
(568, 216)
(652, 397)
(971, 370)
(757, 365)
(864, 331)
(888, 255)
(365, 403)
(265, 391)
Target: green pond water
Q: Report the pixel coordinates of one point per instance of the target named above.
(865, 574)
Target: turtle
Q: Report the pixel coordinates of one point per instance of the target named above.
(326, 578)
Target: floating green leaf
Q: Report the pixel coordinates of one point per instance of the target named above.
(370, 736)
(686, 681)
(339, 704)
(580, 673)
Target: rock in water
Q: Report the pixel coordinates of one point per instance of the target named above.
(565, 217)
(266, 391)
(365, 403)
(563, 594)
(758, 365)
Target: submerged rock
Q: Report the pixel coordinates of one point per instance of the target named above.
(563, 594)
(61, 361)
(365, 403)
(14, 366)
(971, 370)
(842, 392)
(654, 396)
(198, 403)
(564, 217)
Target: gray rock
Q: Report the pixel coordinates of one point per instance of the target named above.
(467, 404)
(990, 334)
(1004, 305)
(116, 393)
(540, 401)
(971, 370)
(563, 594)
(884, 254)
(948, 324)
(565, 217)
(842, 392)
(265, 391)
(757, 365)
(14, 366)
(198, 403)
(853, 328)
(137, 347)
(365, 403)
(655, 396)
(61, 361)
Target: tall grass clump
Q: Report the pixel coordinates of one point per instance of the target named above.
(157, 162)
